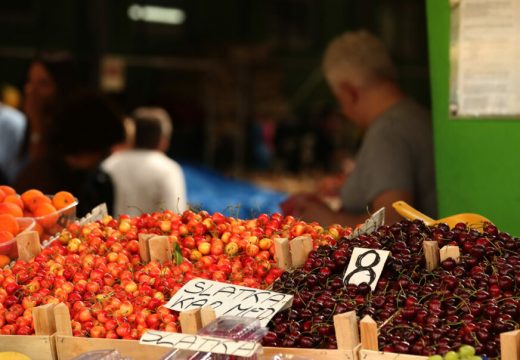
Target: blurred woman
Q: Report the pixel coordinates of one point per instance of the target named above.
(50, 79)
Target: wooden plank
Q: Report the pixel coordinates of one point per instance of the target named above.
(190, 321)
(510, 345)
(380, 355)
(368, 330)
(68, 347)
(160, 249)
(269, 352)
(431, 254)
(37, 347)
(450, 251)
(207, 315)
(144, 250)
(62, 320)
(28, 244)
(347, 330)
(300, 249)
(283, 253)
(43, 318)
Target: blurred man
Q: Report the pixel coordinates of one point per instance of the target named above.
(145, 179)
(12, 130)
(395, 161)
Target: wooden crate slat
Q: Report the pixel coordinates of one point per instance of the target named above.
(380, 355)
(320, 354)
(68, 347)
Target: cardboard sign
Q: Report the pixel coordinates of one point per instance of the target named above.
(365, 265)
(371, 224)
(229, 300)
(200, 343)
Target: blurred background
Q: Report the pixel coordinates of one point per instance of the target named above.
(241, 79)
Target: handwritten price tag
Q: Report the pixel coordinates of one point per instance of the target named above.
(366, 265)
(371, 224)
(229, 300)
(200, 343)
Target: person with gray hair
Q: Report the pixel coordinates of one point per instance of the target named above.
(145, 179)
(395, 161)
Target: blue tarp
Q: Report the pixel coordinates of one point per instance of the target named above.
(211, 191)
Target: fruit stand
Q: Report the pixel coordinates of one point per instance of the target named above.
(103, 283)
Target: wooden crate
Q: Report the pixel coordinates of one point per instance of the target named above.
(381, 355)
(37, 347)
(68, 347)
(320, 354)
(509, 344)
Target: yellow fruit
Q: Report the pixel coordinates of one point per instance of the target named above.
(11, 355)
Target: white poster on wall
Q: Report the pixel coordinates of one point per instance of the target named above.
(485, 58)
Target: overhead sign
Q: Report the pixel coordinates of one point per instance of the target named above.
(229, 300)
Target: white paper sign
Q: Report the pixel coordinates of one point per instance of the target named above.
(229, 300)
(366, 265)
(200, 343)
(485, 52)
(376, 220)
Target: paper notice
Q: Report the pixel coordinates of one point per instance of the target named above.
(488, 52)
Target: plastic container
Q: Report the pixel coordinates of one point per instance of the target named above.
(9, 247)
(51, 224)
(229, 327)
(101, 355)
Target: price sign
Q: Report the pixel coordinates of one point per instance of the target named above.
(371, 224)
(200, 343)
(229, 300)
(365, 265)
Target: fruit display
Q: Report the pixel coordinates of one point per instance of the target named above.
(465, 352)
(424, 312)
(96, 269)
(51, 213)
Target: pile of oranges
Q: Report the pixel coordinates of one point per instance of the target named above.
(30, 204)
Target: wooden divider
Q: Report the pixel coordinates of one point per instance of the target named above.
(449, 251)
(431, 254)
(155, 248)
(293, 253)
(28, 245)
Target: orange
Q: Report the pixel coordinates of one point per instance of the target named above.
(10, 208)
(62, 199)
(2, 195)
(4, 260)
(7, 190)
(46, 215)
(8, 223)
(39, 229)
(5, 236)
(28, 196)
(14, 199)
(38, 200)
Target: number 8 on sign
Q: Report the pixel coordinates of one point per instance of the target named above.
(365, 265)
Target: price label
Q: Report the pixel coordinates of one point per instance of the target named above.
(371, 224)
(365, 265)
(229, 300)
(200, 343)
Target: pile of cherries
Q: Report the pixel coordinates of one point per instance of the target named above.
(424, 312)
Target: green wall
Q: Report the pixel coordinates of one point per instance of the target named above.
(477, 163)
